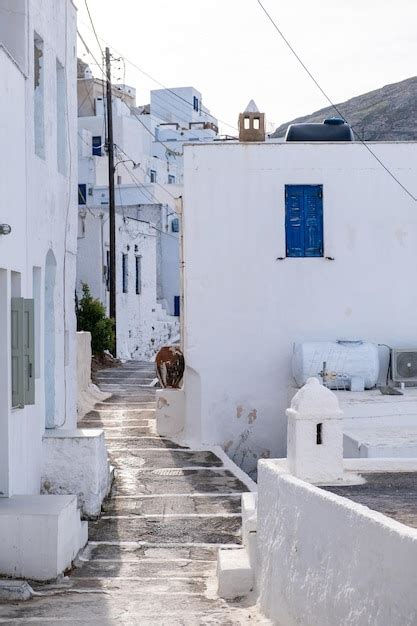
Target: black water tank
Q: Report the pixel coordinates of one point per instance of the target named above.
(332, 129)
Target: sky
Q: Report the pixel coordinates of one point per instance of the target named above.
(229, 51)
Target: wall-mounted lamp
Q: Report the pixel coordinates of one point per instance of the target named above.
(5, 229)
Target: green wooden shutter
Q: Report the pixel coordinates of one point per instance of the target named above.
(29, 350)
(18, 391)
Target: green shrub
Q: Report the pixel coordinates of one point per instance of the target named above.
(91, 316)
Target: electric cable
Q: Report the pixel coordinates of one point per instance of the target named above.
(157, 82)
(93, 27)
(335, 107)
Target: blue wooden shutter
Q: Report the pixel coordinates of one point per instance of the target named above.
(294, 220)
(313, 220)
(304, 220)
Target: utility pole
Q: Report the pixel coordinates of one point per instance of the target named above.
(112, 208)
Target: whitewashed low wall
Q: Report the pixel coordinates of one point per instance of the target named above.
(75, 462)
(87, 393)
(170, 411)
(325, 560)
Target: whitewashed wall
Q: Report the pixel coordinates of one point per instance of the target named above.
(244, 309)
(39, 202)
(142, 325)
(177, 105)
(133, 188)
(306, 572)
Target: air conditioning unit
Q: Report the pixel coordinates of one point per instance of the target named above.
(404, 365)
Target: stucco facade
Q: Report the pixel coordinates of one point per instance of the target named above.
(37, 260)
(246, 303)
(149, 143)
(143, 326)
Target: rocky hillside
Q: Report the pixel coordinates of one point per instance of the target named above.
(386, 114)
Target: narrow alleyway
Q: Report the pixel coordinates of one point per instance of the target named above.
(151, 558)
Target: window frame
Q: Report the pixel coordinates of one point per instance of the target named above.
(125, 272)
(138, 274)
(83, 196)
(310, 218)
(97, 150)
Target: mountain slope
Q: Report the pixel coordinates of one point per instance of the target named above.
(386, 114)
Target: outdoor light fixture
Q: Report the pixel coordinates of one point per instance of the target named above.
(5, 229)
(135, 165)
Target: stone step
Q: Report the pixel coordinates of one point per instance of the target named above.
(143, 569)
(130, 423)
(114, 404)
(219, 530)
(177, 481)
(119, 433)
(117, 375)
(134, 552)
(132, 376)
(139, 585)
(123, 429)
(159, 505)
(163, 458)
(137, 606)
(127, 388)
(120, 414)
(142, 442)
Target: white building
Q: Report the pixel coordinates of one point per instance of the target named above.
(252, 291)
(142, 323)
(39, 534)
(149, 164)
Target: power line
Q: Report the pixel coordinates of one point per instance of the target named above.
(157, 82)
(93, 27)
(143, 189)
(335, 107)
(131, 108)
(146, 173)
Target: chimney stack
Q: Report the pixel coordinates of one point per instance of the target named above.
(251, 124)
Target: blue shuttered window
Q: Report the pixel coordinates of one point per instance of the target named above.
(138, 266)
(97, 146)
(124, 272)
(176, 306)
(82, 193)
(304, 220)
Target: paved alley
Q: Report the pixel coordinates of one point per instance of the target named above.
(151, 558)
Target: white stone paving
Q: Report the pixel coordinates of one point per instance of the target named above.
(151, 558)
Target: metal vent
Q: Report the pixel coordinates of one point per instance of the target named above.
(404, 365)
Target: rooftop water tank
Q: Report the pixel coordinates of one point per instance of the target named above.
(344, 360)
(332, 129)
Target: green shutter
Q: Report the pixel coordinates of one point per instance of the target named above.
(29, 351)
(18, 391)
(23, 352)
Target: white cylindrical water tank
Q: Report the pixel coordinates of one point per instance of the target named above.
(344, 360)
